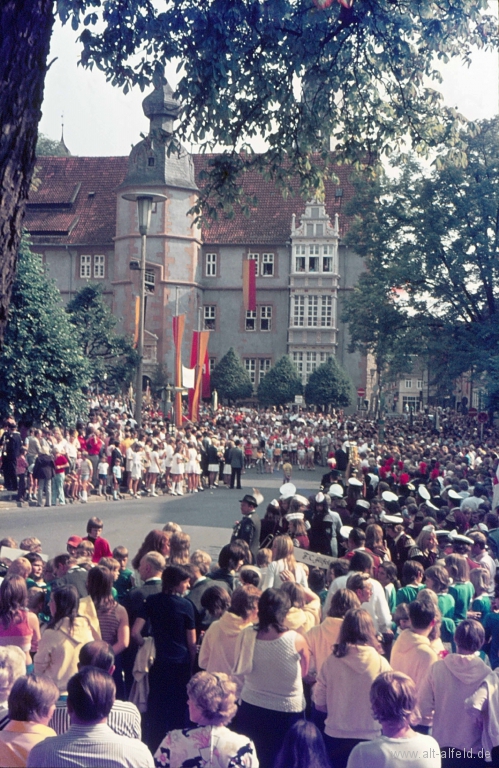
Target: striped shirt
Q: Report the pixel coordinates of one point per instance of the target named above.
(90, 746)
(123, 719)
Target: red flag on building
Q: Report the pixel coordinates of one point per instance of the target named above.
(137, 318)
(206, 384)
(249, 285)
(178, 333)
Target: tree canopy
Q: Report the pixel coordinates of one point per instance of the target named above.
(284, 70)
(329, 385)
(51, 147)
(230, 379)
(280, 385)
(43, 371)
(111, 356)
(431, 244)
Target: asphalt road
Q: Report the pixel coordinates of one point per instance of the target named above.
(127, 522)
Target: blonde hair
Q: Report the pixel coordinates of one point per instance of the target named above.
(283, 549)
(214, 695)
(457, 568)
(172, 528)
(180, 544)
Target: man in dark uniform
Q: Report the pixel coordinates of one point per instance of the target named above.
(248, 528)
(11, 448)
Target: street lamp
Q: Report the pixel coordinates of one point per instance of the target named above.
(144, 202)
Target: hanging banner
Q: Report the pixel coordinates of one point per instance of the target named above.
(249, 285)
(178, 333)
(188, 377)
(206, 384)
(199, 349)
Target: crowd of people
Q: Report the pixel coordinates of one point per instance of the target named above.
(357, 626)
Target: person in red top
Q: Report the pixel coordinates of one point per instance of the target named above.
(94, 446)
(101, 545)
(61, 462)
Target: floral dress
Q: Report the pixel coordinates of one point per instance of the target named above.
(206, 746)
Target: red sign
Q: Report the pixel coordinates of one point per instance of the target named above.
(483, 417)
(361, 392)
(472, 412)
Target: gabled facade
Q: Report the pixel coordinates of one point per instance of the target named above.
(87, 232)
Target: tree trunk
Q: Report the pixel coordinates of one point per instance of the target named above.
(25, 30)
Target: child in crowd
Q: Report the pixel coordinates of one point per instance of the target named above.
(21, 470)
(102, 470)
(481, 604)
(387, 577)
(401, 618)
(461, 589)
(117, 475)
(412, 577)
(124, 583)
(263, 560)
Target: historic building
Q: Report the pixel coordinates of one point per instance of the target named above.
(87, 232)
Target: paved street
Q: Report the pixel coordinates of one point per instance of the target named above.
(127, 522)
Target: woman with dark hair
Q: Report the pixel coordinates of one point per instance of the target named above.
(18, 626)
(64, 635)
(271, 524)
(343, 685)
(113, 619)
(173, 629)
(303, 747)
(212, 705)
(273, 661)
(394, 704)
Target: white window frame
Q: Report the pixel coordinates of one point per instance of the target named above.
(150, 279)
(250, 367)
(326, 311)
(212, 361)
(99, 266)
(255, 257)
(211, 265)
(250, 321)
(267, 265)
(298, 311)
(313, 311)
(420, 384)
(85, 266)
(298, 362)
(209, 317)
(264, 366)
(266, 318)
(408, 383)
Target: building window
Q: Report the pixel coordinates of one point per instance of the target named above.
(211, 265)
(298, 361)
(327, 311)
(250, 320)
(408, 383)
(319, 230)
(209, 316)
(310, 230)
(254, 257)
(264, 367)
(85, 266)
(299, 311)
(312, 314)
(327, 264)
(420, 383)
(311, 364)
(265, 318)
(300, 264)
(99, 266)
(250, 365)
(212, 361)
(150, 280)
(314, 213)
(267, 264)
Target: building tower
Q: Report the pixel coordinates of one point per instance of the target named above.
(173, 243)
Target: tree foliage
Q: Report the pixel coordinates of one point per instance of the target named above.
(367, 75)
(432, 241)
(329, 385)
(230, 379)
(48, 146)
(43, 372)
(111, 356)
(280, 385)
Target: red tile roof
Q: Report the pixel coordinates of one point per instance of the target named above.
(73, 201)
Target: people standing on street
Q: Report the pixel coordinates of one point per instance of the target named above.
(236, 464)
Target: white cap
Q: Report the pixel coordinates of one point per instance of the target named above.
(354, 482)
(287, 490)
(389, 496)
(336, 490)
(424, 493)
